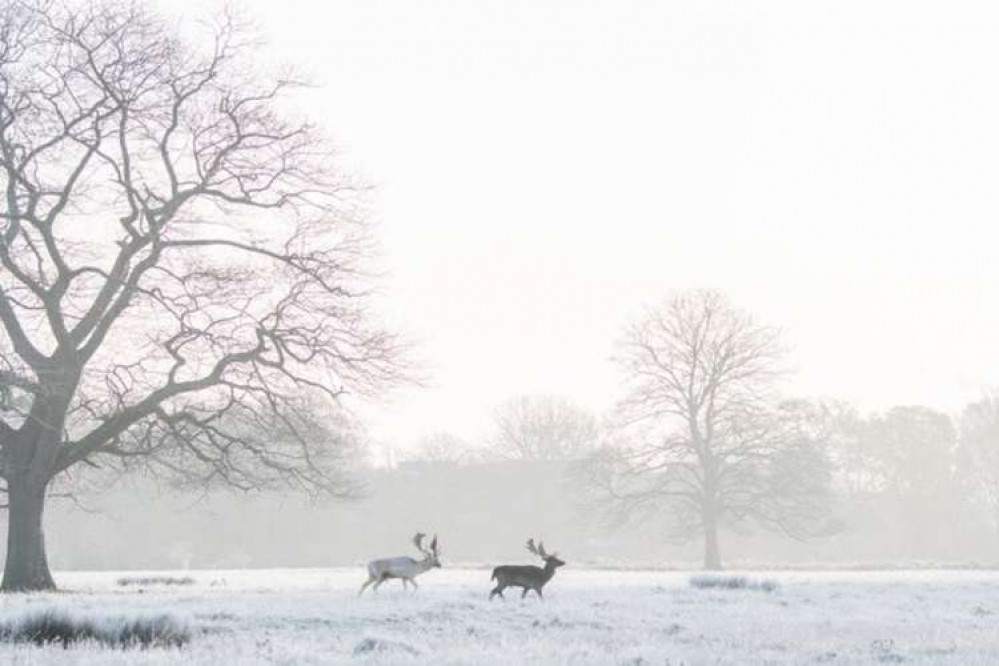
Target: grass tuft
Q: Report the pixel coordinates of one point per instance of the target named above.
(125, 581)
(721, 582)
(383, 646)
(55, 626)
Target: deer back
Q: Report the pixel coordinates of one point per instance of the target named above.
(397, 567)
(527, 575)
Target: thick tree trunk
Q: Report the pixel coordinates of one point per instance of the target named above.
(27, 567)
(712, 554)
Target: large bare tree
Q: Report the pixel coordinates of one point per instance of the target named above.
(701, 438)
(183, 266)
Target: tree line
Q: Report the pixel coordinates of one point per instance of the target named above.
(702, 439)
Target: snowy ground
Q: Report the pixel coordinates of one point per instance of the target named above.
(588, 617)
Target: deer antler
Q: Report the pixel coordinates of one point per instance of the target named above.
(433, 545)
(418, 541)
(538, 550)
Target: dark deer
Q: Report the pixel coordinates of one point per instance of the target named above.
(526, 577)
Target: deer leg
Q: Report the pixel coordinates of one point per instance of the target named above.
(497, 590)
(524, 592)
(365, 586)
(412, 581)
(379, 582)
(540, 596)
(404, 588)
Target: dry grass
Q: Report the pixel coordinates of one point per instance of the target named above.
(145, 581)
(56, 626)
(721, 582)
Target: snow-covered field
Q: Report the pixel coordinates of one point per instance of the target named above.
(588, 617)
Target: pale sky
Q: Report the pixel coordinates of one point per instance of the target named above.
(545, 169)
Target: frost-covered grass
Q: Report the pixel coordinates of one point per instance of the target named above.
(588, 617)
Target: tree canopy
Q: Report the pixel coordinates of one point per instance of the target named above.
(185, 267)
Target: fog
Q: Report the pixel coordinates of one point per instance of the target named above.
(559, 197)
(907, 487)
(476, 526)
(826, 166)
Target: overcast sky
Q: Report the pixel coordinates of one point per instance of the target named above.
(546, 168)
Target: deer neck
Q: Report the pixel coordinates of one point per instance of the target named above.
(549, 569)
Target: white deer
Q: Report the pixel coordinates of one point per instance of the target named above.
(405, 568)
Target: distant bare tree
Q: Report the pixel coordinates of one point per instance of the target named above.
(860, 471)
(915, 447)
(906, 473)
(543, 428)
(701, 437)
(979, 444)
(443, 447)
(183, 267)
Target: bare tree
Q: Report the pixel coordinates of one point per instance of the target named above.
(910, 456)
(543, 428)
(443, 447)
(979, 451)
(183, 267)
(915, 447)
(907, 474)
(853, 448)
(701, 437)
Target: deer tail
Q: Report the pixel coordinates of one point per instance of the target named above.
(494, 573)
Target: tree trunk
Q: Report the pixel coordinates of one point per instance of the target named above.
(27, 567)
(712, 555)
(709, 515)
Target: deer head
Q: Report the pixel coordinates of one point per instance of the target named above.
(550, 560)
(431, 556)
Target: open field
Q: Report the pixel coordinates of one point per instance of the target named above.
(588, 617)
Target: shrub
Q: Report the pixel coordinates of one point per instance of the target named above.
(59, 626)
(715, 581)
(155, 580)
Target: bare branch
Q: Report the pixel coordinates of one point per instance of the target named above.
(186, 276)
